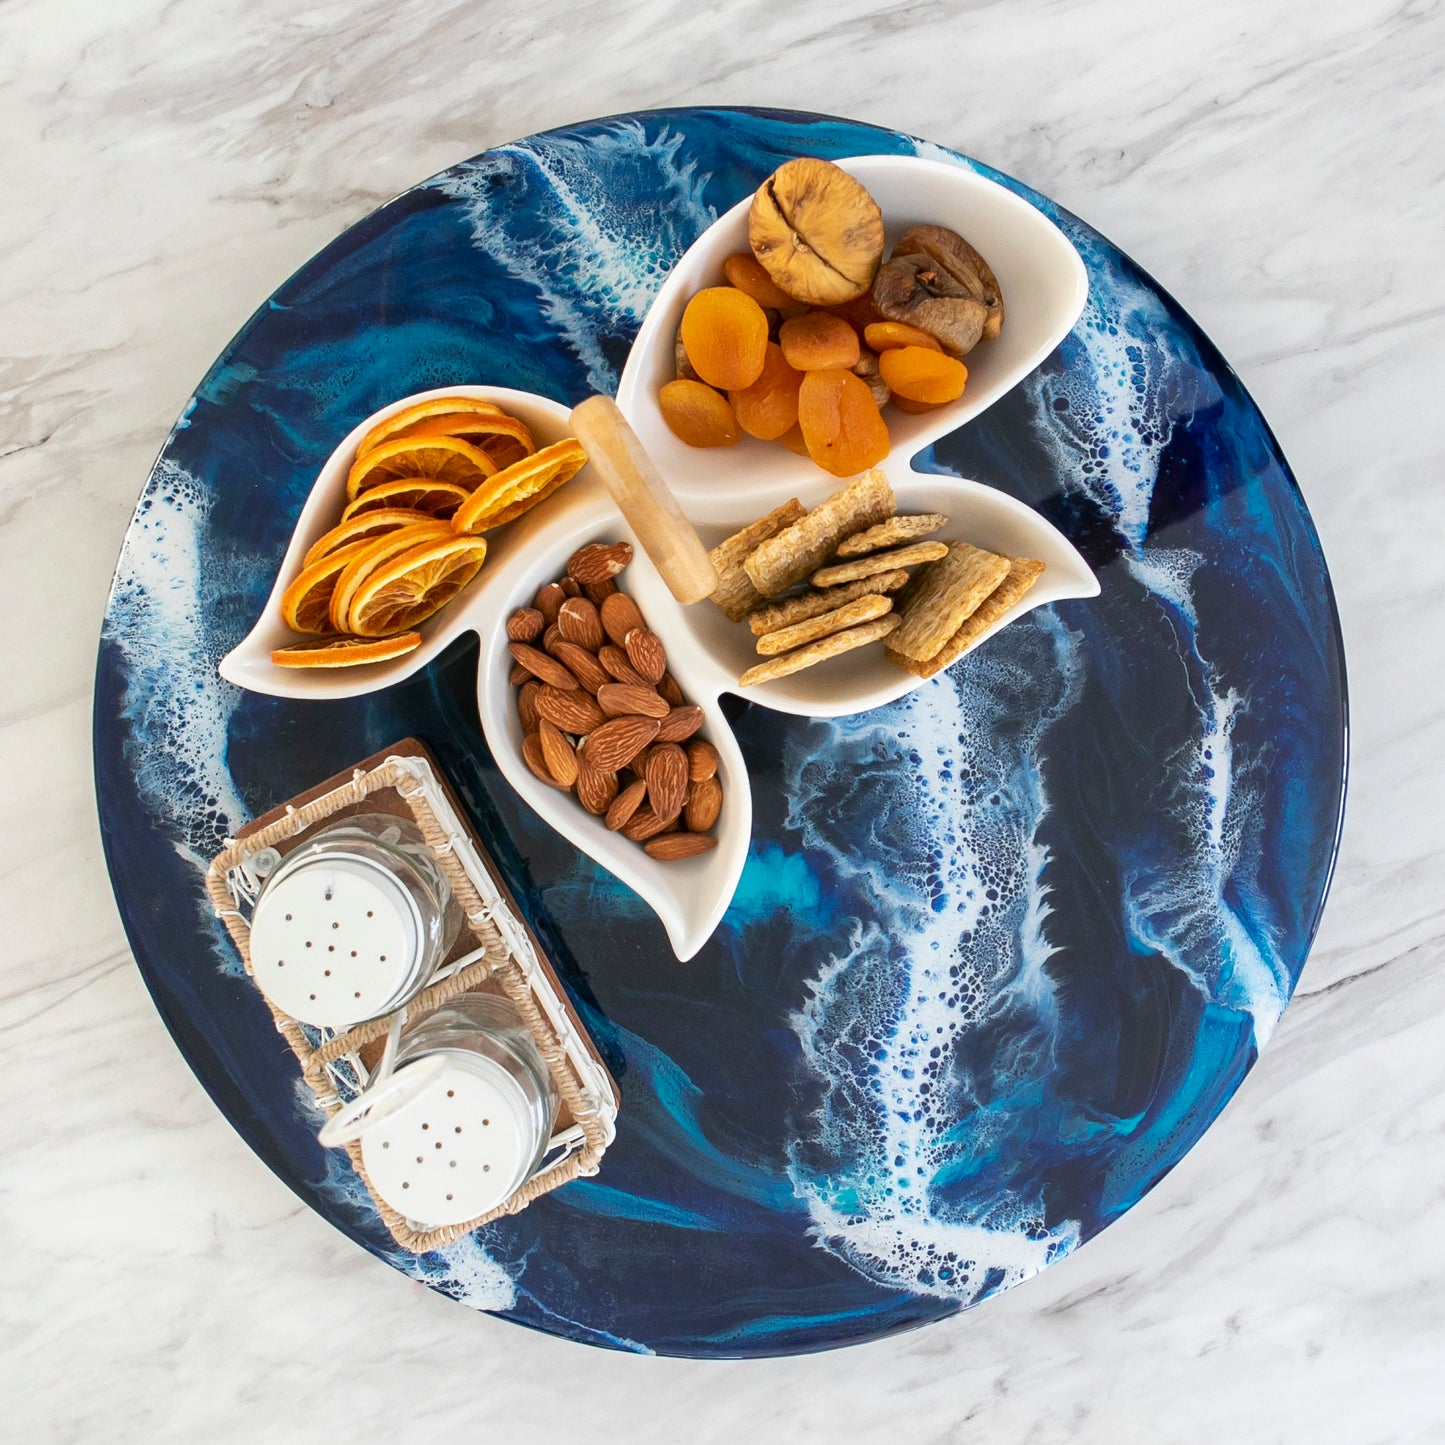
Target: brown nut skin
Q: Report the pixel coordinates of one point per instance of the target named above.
(816, 231)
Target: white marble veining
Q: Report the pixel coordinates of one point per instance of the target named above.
(1275, 163)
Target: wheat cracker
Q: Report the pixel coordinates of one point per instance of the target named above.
(820, 651)
(861, 609)
(814, 603)
(895, 529)
(793, 553)
(880, 562)
(735, 593)
(1023, 572)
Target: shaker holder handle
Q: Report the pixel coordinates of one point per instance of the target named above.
(379, 1101)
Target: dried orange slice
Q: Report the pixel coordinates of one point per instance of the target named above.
(520, 487)
(306, 603)
(442, 459)
(408, 416)
(419, 494)
(504, 438)
(363, 529)
(346, 651)
(402, 592)
(372, 555)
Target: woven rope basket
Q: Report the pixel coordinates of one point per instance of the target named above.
(333, 1064)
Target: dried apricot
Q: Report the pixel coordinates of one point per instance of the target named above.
(793, 440)
(918, 374)
(769, 407)
(818, 342)
(726, 336)
(889, 335)
(697, 414)
(916, 408)
(842, 426)
(744, 271)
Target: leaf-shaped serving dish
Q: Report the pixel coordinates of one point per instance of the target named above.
(721, 490)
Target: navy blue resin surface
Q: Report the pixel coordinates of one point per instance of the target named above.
(1001, 951)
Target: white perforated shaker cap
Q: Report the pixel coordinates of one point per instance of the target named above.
(335, 941)
(458, 1149)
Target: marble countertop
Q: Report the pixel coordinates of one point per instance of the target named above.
(1275, 166)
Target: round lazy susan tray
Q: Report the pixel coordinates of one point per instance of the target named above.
(1001, 949)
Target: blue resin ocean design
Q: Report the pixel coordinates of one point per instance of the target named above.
(1001, 951)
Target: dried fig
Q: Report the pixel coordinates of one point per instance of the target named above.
(937, 282)
(963, 263)
(816, 231)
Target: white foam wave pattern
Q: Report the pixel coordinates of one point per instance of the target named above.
(1114, 412)
(178, 707)
(887, 1022)
(576, 241)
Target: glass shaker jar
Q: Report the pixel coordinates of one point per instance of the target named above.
(462, 1120)
(353, 923)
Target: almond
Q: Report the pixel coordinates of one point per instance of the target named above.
(548, 601)
(525, 625)
(527, 703)
(548, 669)
(598, 561)
(518, 675)
(618, 699)
(532, 756)
(619, 617)
(671, 691)
(680, 724)
(704, 803)
(550, 638)
(574, 712)
(666, 774)
(616, 743)
(570, 586)
(645, 824)
(616, 663)
(599, 592)
(581, 664)
(679, 845)
(557, 753)
(581, 624)
(702, 760)
(646, 653)
(595, 789)
(625, 804)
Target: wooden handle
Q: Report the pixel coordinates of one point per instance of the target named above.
(644, 499)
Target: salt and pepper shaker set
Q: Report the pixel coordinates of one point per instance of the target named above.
(352, 925)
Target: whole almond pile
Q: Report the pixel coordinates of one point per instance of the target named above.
(603, 718)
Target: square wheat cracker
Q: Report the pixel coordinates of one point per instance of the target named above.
(797, 550)
(861, 609)
(735, 593)
(1023, 572)
(814, 604)
(820, 651)
(859, 567)
(950, 591)
(895, 529)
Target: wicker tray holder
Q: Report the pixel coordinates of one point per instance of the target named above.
(404, 781)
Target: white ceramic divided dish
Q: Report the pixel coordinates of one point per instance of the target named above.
(1044, 288)
(721, 490)
(689, 895)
